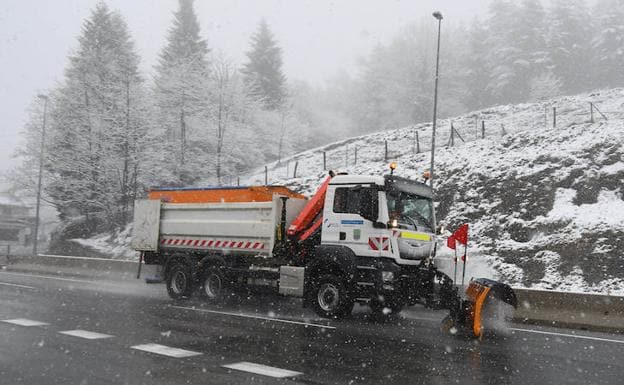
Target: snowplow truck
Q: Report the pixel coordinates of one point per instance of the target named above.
(359, 239)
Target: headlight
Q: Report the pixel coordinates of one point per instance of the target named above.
(387, 276)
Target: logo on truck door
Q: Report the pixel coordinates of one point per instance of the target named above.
(379, 243)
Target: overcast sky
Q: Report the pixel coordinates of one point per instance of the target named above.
(319, 37)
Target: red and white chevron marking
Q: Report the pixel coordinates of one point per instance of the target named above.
(379, 243)
(215, 243)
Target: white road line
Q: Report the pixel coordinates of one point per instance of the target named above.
(16, 285)
(24, 322)
(568, 335)
(46, 277)
(256, 317)
(165, 350)
(85, 334)
(264, 370)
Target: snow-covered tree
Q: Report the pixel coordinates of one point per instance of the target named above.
(608, 43)
(569, 44)
(263, 70)
(545, 86)
(95, 123)
(181, 91)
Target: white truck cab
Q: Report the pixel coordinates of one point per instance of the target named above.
(378, 216)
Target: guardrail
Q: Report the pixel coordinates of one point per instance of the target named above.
(575, 310)
(555, 308)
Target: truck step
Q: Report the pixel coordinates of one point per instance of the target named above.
(366, 267)
(365, 284)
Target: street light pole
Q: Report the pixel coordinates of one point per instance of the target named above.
(40, 177)
(438, 16)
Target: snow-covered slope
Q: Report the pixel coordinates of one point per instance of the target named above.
(545, 204)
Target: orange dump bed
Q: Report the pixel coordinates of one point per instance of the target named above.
(221, 194)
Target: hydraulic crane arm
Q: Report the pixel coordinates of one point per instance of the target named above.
(312, 210)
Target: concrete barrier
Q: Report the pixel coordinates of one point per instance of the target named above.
(574, 310)
(69, 265)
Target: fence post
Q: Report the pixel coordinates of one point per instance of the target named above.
(591, 112)
(295, 171)
(238, 181)
(417, 143)
(266, 176)
(554, 117)
(503, 132)
(545, 116)
(324, 161)
(477, 125)
(452, 139)
(355, 156)
(385, 150)
(483, 129)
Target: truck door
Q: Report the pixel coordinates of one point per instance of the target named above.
(355, 209)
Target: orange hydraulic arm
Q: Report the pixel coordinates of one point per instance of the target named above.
(305, 219)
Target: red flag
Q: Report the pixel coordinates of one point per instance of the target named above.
(450, 242)
(461, 235)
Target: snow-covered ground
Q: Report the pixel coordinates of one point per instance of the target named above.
(545, 205)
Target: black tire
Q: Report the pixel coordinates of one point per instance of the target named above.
(329, 297)
(213, 287)
(179, 281)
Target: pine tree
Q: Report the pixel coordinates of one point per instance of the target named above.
(181, 91)
(477, 76)
(94, 122)
(569, 44)
(263, 71)
(504, 57)
(608, 44)
(529, 33)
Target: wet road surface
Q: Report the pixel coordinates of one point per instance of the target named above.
(72, 330)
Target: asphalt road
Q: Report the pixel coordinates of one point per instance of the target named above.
(72, 330)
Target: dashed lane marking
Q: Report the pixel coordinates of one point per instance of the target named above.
(85, 334)
(166, 350)
(24, 322)
(46, 277)
(16, 285)
(256, 317)
(568, 335)
(264, 370)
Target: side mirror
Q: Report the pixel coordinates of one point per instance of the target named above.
(379, 225)
(440, 230)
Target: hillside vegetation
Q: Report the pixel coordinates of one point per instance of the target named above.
(545, 204)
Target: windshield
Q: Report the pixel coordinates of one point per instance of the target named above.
(410, 210)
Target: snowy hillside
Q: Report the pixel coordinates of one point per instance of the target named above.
(545, 204)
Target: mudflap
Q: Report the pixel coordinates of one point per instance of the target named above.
(489, 305)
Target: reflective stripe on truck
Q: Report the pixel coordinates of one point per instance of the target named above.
(206, 243)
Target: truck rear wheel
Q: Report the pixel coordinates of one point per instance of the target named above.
(212, 285)
(329, 297)
(179, 281)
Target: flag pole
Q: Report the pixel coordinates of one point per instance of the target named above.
(464, 260)
(455, 273)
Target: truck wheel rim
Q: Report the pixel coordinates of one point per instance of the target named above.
(179, 282)
(328, 297)
(212, 285)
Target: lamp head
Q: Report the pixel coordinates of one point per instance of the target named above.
(438, 15)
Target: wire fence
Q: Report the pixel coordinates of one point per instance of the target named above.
(393, 144)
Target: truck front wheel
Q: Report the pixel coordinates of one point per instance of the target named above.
(179, 281)
(330, 297)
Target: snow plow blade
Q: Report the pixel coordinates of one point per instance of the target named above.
(482, 306)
